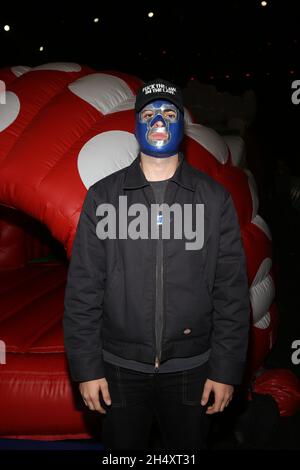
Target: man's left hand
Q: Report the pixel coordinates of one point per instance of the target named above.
(222, 396)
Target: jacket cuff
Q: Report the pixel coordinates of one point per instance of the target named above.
(225, 370)
(85, 367)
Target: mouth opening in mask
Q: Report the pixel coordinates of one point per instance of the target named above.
(160, 136)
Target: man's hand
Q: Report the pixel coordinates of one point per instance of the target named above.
(90, 392)
(222, 396)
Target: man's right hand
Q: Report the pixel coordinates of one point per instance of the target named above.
(90, 392)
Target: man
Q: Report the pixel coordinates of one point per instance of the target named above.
(156, 325)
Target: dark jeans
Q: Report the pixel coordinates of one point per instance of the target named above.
(173, 399)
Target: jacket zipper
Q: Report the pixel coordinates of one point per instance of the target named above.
(158, 299)
(159, 303)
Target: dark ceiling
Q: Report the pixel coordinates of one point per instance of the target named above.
(211, 40)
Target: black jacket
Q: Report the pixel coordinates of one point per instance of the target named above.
(110, 297)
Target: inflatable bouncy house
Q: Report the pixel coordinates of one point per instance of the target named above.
(63, 127)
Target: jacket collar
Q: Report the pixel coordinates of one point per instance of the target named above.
(135, 178)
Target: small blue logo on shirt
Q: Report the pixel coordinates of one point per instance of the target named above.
(159, 219)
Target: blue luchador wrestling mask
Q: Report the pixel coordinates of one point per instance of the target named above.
(159, 128)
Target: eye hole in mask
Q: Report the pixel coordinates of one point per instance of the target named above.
(167, 112)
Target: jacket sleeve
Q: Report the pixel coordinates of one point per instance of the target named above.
(231, 302)
(83, 298)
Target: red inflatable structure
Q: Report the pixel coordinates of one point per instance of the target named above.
(63, 127)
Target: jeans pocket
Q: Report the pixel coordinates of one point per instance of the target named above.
(115, 388)
(193, 381)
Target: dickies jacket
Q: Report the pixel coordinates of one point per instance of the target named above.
(110, 297)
